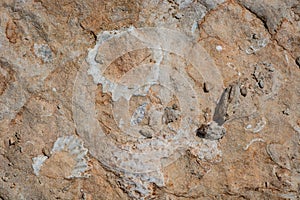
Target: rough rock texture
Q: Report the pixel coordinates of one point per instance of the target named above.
(104, 99)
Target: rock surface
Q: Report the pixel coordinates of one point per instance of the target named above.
(103, 100)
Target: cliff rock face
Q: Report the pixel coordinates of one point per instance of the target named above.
(169, 99)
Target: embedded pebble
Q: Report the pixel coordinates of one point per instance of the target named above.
(219, 48)
(298, 61)
(255, 36)
(243, 91)
(46, 152)
(261, 83)
(211, 131)
(146, 133)
(207, 87)
(286, 111)
(12, 141)
(5, 178)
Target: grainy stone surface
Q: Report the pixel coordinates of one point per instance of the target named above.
(103, 100)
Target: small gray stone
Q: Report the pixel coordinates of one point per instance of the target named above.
(211, 131)
(261, 83)
(146, 134)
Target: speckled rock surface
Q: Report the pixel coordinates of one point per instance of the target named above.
(149, 99)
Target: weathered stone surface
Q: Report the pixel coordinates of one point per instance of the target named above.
(104, 100)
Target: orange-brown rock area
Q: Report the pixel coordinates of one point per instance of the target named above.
(149, 99)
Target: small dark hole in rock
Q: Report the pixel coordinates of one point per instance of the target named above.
(202, 131)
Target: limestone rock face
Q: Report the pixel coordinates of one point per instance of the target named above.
(148, 99)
